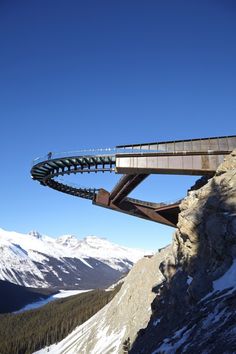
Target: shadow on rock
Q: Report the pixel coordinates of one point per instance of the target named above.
(187, 316)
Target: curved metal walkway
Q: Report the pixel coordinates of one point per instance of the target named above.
(136, 162)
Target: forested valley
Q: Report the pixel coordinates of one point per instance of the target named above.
(32, 330)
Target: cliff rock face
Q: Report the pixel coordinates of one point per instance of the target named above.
(194, 310)
(122, 318)
(183, 299)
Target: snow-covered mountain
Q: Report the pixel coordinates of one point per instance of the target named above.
(42, 261)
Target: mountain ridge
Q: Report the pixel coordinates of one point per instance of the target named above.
(37, 260)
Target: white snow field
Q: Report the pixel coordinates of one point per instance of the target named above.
(60, 295)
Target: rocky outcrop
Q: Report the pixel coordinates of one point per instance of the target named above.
(184, 319)
(119, 321)
(183, 299)
(206, 235)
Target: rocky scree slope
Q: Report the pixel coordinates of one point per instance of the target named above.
(120, 319)
(183, 299)
(194, 309)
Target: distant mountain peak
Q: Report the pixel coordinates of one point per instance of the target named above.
(67, 240)
(35, 260)
(91, 239)
(35, 234)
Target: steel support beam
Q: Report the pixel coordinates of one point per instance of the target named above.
(168, 215)
(125, 186)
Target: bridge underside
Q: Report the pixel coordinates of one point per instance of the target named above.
(137, 167)
(117, 200)
(163, 214)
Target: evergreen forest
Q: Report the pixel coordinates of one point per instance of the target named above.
(26, 332)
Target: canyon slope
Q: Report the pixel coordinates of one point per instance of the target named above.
(182, 299)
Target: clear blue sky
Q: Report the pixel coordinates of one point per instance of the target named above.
(82, 74)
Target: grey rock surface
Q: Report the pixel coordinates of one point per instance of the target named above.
(177, 301)
(122, 318)
(189, 314)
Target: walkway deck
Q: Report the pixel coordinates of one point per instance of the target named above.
(136, 162)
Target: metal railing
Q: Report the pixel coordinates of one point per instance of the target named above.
(89, 152)
(75, 185)
(222, 143)
(155, 204)
(209, 145)
(137, 201)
